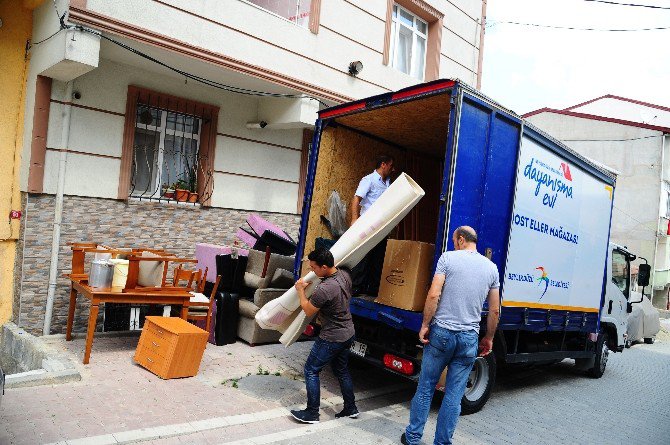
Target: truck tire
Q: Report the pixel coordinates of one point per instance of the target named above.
(649, 340)
(480, 384)
(602, 354)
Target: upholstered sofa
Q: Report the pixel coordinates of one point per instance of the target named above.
(268, 278)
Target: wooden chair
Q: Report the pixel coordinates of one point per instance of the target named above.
(190, 276)
(202, 310)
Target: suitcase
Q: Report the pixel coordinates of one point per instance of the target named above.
(231, 271)
(227, 316)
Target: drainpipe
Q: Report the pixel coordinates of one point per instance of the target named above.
(480, 58)
(658, 222)
(58, 214)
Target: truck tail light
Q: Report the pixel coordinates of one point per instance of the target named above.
(399, 364)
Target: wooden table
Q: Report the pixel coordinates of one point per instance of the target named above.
(178, 296)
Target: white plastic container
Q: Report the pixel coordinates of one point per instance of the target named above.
(120, 272)
(101, 275)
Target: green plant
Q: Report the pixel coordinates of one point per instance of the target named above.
(181, 184)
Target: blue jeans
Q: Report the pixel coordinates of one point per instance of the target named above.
(337, 354)
(458, 351)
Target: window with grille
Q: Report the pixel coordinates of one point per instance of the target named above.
(409, 35)
(165, 153)
(168, 148)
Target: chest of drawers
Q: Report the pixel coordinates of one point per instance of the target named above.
(171, 347)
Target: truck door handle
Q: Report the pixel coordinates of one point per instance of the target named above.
(609, 308)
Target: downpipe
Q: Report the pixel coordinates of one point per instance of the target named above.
(58, 214)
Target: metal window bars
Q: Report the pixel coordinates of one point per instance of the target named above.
(167, 163)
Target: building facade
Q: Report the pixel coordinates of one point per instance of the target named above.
(633, 138)
(15, 31)
(135, 105)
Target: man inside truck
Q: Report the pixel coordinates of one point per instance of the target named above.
(368, 272)
(331, 300)
(450, 330)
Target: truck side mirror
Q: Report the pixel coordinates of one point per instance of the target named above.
(643, 273)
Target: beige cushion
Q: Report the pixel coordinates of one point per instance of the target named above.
(151, 272)
(248, 309)
(282, 279)
(253, 281)
(198, 308)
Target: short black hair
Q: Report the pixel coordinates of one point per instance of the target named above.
(383, 159)
(468, 234)
(322, 257)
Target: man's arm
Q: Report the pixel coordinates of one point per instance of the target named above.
(486, 343)
(305, 304)
(355, 208)
(430, 307)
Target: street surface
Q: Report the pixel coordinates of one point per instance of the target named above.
(238, 398)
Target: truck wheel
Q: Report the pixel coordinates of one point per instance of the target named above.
(649, 340)
(602, 354)
(480, 383)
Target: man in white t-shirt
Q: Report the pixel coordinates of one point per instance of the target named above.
(367, 273)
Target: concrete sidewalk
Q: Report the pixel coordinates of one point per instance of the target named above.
(116, 396)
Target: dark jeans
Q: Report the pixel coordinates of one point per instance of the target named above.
(367, 274)
(337, 354)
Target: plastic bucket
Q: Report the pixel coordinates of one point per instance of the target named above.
(120, 273)
(101, 274)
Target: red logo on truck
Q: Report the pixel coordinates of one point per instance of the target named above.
(566, 171)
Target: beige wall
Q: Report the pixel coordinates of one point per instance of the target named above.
(350, 30)
(98, 130)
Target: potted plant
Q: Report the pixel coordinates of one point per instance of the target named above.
(181, 190)
(192, 185)
(168, 191)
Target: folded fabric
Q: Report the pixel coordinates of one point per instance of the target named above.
(246, 237)
(260, 225)
(198, 298)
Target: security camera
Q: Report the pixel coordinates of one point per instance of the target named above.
(76, 95)
(263, 124)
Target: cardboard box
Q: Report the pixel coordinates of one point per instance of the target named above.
(406, 274)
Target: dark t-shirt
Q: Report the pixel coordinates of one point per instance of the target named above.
(332, 297)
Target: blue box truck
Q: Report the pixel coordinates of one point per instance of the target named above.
(541, 210)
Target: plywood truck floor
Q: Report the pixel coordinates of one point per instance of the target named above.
(418, 131)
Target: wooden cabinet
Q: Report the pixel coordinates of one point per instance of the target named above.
(171, 347)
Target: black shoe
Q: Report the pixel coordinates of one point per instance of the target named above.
(305, 416)
(403, 439)
(351, 413)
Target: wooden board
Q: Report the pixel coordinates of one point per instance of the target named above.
(420, 124)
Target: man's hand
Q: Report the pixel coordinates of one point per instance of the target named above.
(423, 334)
(485, 346)
(301, 284)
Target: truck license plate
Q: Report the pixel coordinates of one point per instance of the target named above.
(359, 348)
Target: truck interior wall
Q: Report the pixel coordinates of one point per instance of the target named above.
(347, 154)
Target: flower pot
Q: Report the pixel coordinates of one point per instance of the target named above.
(168, 193)
(181, 195)
(193, 197)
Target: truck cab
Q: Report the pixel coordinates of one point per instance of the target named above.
(616, 307)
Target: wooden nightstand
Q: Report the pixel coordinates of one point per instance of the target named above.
(171, 347)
